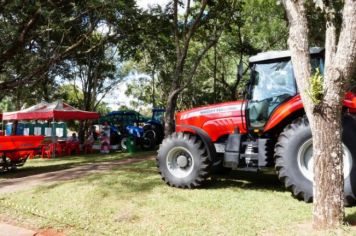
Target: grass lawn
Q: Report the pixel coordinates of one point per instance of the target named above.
(132, 200)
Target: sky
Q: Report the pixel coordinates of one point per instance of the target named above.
(117, 96)
(146, 3)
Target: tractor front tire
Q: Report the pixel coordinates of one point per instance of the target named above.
(157, 130)
(183, 161)
(148, 140)
(294, 165)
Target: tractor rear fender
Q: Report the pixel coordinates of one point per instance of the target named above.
(203, 136)
(350, 102)
(294, 107)
(285, 110)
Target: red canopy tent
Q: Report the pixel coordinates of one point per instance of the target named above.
(51, 111)
(56, 111)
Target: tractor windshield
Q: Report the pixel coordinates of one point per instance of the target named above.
(158, 115)
(272, 84)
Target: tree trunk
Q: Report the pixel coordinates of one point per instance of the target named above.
(81, 131)
(153, 86)
(328, 207)
(340, 61)
(214, 74)
(45, 82)
(325, 117)
(169, 119)
(182, 42)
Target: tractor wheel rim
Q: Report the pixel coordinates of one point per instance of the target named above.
(180, 162)
(306, 163)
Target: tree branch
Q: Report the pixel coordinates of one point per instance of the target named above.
(194, 26)
(175, 28)
(330, 35)
(20, 41)
(199, 58)
(30, 79)
(186, 16)
(299, 47)
(346, 47)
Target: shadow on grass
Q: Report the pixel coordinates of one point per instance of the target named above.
(141, 177)
(144, 177)
(131, 177)
(351, 217)
(64, 163)
(29, 171)
(105, 184)
(247, 180)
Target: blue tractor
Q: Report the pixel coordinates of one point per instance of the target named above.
(127, 125)
(150, 134)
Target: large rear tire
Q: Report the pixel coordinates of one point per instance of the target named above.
(294, 165)
(183, 161)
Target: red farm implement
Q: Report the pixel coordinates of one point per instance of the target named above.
(15, 150)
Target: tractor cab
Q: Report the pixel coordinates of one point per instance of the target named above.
(272, 83)
(157, 116)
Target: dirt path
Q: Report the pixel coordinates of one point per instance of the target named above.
(14, 229)
(12, 185)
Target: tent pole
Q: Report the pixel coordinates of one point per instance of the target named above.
(53, 139)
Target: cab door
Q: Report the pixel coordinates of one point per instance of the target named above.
(272, 83)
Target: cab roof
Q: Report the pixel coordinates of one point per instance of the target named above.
(273, 55)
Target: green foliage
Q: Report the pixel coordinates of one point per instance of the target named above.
(98, 43)
(265, 26)
(255, 26)
(316, 91)
(61, 34)
(71, 94)
(6, 105)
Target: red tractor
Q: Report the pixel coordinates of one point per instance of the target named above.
(268, 128)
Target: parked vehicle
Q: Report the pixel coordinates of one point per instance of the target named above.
(266, 129)
(128, 124)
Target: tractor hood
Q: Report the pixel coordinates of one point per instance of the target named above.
(199, 116)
